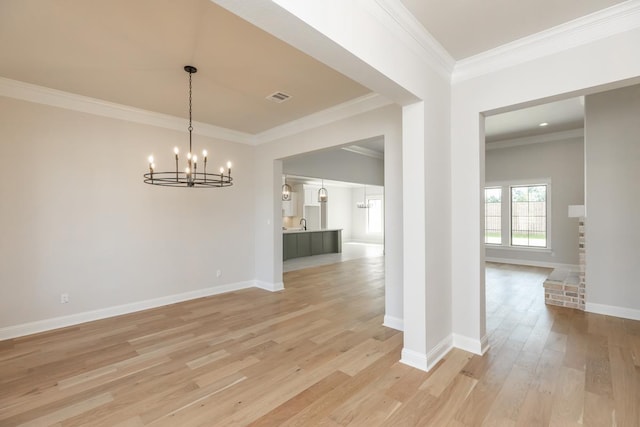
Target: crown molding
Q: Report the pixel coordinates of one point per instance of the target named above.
(363, 104)
(70, 101)
(587, 29)
(538, 139)
(414, 35)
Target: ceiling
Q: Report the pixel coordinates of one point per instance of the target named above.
(467, 27)
(133, 53)
(559, 116)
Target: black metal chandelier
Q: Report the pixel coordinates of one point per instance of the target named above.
(190, 177)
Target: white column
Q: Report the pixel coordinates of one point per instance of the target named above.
(414, 352)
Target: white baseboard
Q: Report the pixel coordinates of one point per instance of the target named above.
(611, 310)
(484, 345)
(271, 287)
(425, 362)
(439, 351)
(531, 263)
(393, 322)
(103, 313)
(414, 359)
(471, 345)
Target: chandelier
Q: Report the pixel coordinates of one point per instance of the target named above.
(323, 194)
(364, 204)
(286, 190)
(190, 176)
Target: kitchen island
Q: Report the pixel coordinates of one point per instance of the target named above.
(298, 243)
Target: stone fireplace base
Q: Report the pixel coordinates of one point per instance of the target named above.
(563, 288)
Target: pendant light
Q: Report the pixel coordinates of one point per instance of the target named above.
(190, 177)
(286, 190)
(364, 204)
(323, 195)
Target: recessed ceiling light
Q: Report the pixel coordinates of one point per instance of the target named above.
(543, 124)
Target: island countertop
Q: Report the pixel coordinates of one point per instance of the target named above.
(296, 230)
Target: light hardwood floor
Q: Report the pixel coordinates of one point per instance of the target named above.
(350, 250)
(317, 354)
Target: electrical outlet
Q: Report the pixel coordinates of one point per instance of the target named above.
(218, 273)
(64, 298)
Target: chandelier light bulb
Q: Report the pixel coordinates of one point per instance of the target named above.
(204, 153)
(187, 171)
(150, 159)
(221, 170)
(189, 155)
(195, 159)
(228, 165)
(175, 150)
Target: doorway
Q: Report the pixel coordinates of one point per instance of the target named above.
(337, 190)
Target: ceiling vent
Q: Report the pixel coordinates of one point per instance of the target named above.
(278, 97)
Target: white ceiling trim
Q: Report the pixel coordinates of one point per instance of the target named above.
(599, 25)
(414, 35)
(363, 104)
(539, 139)
(84, 104)
(70, 101)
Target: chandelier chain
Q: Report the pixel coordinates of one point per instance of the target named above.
(190, 128)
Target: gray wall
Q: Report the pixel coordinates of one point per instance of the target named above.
(562, 162)
(76, 217)
(613, 200)
(337, 165)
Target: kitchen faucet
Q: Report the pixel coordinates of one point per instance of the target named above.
(302, 220)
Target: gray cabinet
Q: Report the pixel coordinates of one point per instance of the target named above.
(304, 244)
(289, 246)
(317, 246)
(329, 242)
(308, 243)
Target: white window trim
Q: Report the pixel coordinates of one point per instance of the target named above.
(484, 222)
(506, 207)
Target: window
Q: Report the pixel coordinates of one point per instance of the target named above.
(516, 215)
(374, 215)
(493, 215)
(529, 216)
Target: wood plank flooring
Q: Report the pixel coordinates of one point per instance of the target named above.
(316, 354)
